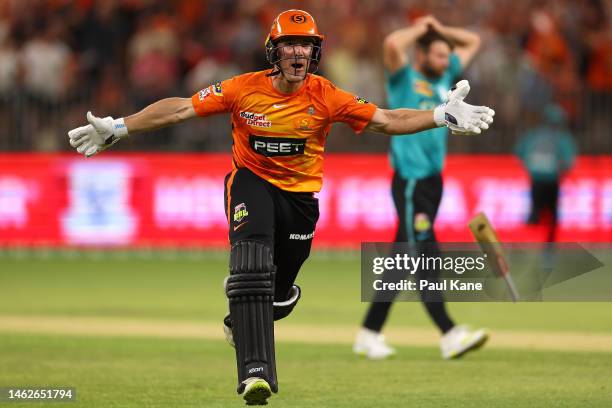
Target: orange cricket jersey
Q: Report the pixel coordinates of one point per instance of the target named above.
(281, 137)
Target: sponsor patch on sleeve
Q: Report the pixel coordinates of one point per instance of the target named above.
(203, 94)
(216, 89)
(361, 100)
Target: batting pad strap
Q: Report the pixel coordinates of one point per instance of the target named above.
(251, 257)
(250, 284)
(284, 308)
(251, 270)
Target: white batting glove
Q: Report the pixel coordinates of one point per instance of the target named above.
(98, 135)
(460, 117)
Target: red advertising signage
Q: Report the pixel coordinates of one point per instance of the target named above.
(172, 200)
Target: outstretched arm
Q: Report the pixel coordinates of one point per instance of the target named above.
(401, 121)
(457, 115)
(102, 133)
(162, 113)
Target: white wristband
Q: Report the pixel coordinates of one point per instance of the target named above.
(119, 128)
(439, 115)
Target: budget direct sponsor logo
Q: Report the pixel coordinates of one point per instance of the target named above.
(256, 119)
(271, 146)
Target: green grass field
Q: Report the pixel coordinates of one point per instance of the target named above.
(161, 364)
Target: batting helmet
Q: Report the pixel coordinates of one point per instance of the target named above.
(294, 23)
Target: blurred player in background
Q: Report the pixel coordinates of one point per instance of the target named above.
(280, 120)
(441, 54)
(548, 152)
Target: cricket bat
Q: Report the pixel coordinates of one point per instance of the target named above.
(485, 235)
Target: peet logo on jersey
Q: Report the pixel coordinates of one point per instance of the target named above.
(361, 100)
(256, 119)
(302, 237)
(271, 146)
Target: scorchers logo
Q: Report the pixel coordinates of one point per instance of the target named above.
(256, 119)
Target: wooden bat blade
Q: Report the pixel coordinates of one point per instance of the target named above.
(485, 235)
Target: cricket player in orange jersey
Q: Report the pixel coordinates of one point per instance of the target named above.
(280, 118)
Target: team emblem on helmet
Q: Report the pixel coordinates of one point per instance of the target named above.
(298, 18)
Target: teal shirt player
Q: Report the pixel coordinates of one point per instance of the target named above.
(421, 154)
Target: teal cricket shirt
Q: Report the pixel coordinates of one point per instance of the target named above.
(419, 155)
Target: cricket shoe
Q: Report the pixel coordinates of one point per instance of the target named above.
(256, 391)
(461, 339)
(372, 344)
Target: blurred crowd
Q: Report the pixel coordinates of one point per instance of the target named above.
(60, 58)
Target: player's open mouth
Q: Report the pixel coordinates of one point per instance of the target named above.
(297, 66)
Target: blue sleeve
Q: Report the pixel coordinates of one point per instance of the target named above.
(454, 68)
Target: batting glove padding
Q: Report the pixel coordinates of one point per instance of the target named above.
(460, 117)
(98, 135)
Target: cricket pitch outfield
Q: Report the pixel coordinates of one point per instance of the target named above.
(139, 331)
